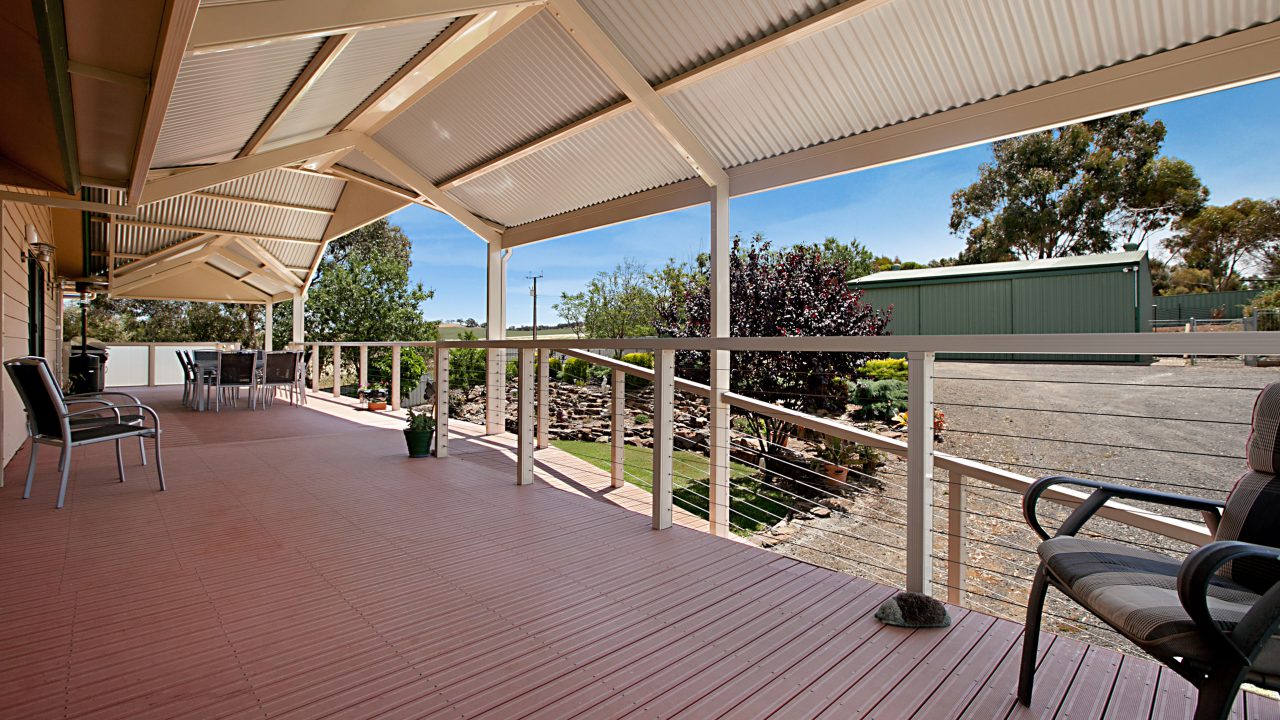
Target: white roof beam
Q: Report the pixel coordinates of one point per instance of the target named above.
(319, 62)
(805, 28)
(159, 271)
(600, 47)
(213, 231)
(223, 27)
(1237, 59)
(455, 47)
(263, 203)
(180, 247)
(175, 30)
(422, 185)
(210, 175)
(266, 262)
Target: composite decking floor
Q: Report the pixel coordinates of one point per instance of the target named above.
(300, 566)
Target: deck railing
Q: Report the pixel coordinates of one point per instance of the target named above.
(934, 528)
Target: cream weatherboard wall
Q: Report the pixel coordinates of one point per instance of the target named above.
(14, 219)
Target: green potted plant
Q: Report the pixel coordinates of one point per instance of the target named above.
(834, 456)
(374, 396)
(422, 427)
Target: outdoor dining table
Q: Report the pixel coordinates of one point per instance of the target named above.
(206, 364)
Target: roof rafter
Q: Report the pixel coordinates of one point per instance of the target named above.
(422, 185)
(161, 270)
(460, 43)
(175, 30)
(211, 231)
(223, 27)
(267, 262)
(812, 25)
(324, 57)
(262, 203)
(162, 254)
(210, 175)
(600, 47)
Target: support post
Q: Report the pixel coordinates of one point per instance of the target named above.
(664, 376)
(957, 548)
(395, 377)
(364, 366)
(268, 327)
(718, 488)
(524, 433)
(544, 397)
(337, 371)
(299, 317)
(315, 368)
(920, 472)
(151, 365)
(442, 401)
(495, 410)
(618, 430)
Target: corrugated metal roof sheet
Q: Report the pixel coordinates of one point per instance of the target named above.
(533, 81)
(221, 98)
(361, 163)
(1005, 268)
(144, 241)
(293, 255)
(622, 156)
(911, 58)
(234, 217)
(286, 186)
(664, 38)
(369, 59)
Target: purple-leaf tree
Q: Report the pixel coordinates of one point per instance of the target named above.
(792, 292)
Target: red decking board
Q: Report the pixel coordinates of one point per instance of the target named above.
(301, 567)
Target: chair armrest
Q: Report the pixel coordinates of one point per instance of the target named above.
(155, 417)
(95, 395)
(1102, 492)
(1194, 577)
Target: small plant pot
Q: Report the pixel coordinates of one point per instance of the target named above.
(419, 442)
(837, 473)
(377, 405)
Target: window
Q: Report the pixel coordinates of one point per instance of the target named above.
(35, 307)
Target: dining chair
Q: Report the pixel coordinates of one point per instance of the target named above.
(279, 371)
(51, 422)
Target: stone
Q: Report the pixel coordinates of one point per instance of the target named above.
(603, 439)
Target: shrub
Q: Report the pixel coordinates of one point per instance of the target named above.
(643, 360)
(886, 369)
(412, 367)
(575, 370)
(553, 367)
(513, 371)
(879, 399)
(642, 419)
(1266, 306)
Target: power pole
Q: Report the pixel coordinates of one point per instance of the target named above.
(534, 292)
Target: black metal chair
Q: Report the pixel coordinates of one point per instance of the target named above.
(1212, 617)
(235, 370)
(49, 422)
(280, 370)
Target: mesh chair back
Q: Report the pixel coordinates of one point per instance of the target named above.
(236, 368)
(205, 356)
(1254, 503)
(40, 395)
(280, 368)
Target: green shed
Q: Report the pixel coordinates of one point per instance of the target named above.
(1107, 293)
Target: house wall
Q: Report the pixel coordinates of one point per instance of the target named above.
(14, 218)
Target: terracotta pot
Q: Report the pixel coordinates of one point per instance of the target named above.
(377, 405)
(838, 473)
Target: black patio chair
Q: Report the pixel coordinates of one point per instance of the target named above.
(49, 422)
(236, 370)
(280, 370)
(1211, 617)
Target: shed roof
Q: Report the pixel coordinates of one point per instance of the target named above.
(982, 271)
(530, 119)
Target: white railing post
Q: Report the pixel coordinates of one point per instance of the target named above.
(337, 371)
(395, 377)
(718, 409)
(524, 432)
(442, 401)
(544, 398)
(957, 547)
(315, 368)
(664, 376)
(268, 327)
(151, 365)
(618, 430)
(920, 472)
(364, 366)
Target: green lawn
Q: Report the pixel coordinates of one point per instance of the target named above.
(752, 506)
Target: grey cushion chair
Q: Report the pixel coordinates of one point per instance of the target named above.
(1211, 617)
(51, 423)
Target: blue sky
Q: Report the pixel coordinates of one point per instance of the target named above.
(1230, 137)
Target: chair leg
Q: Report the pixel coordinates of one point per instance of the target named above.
(31, 470)
(1218, 693)
(142, 449)
(120, 460)
(159, 465)
(1031, 637)
(66, 470)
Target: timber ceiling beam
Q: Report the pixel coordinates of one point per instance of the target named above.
(265, 262)
(793, 33)
(223, 27)
(601, 49)
(195, 242)
(127, 222)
